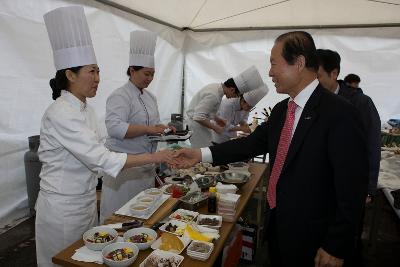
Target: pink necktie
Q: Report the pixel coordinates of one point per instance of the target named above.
(283, 147)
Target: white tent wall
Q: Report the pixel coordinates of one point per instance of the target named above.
(26, 66)
(372, 53)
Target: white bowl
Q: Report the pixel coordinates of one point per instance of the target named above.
(110, 248)
(139, 209)
(99, 246)
(154, 192)
(138, 231)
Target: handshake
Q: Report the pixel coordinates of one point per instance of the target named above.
(180, 159)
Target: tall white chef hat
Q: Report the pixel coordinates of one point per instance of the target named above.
(69, 37)
(248, 80)
(143, 45)
(254, 96)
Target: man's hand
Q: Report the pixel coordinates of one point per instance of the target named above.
(186, 157)
(323, 259)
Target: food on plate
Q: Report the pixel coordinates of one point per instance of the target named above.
(141, 238)
(200, 247)
(120, 254)
(209, 221)
(176, 190)
(159, 261)
(170, 242)
(100, 237)
(195, 235)
(183, 217)
(171, 228)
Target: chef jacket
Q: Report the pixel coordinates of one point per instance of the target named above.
(129, 105)
(70, 148)
(205, 103)
(231, 112)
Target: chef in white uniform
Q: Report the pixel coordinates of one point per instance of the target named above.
(70, 148)
(131, 115)
(235, 112)
(202, 119)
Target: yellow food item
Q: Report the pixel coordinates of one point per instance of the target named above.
(128, 250)
(195, 235)
(103, 233)
(170, 242)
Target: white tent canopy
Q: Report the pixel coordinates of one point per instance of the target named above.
(205, 15)
(186, 60)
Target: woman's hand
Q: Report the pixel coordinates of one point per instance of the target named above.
(156, 129)
(167, 156)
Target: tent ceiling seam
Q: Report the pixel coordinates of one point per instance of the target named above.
(198, 12)
(137, 13)
(241, 13)
(384, 2)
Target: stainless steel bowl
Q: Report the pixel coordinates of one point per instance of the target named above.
(233, 177)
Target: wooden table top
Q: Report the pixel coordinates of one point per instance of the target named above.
(257, 170)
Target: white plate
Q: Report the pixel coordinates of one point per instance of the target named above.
(185, 242)
(203, 216)
(125, 209)
(163, 255)
(182, 212)
(180, 224)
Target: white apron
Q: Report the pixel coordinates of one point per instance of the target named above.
(201, 136)
(60, 221)
(116, 192)
(203, 106)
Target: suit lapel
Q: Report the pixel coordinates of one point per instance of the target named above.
(307, 118)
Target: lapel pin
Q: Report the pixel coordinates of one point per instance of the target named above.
(308, 118)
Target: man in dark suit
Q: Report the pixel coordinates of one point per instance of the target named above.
(317, 155)
(328, 72)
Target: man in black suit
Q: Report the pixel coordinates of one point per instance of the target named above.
(328, 72)
(318, 185)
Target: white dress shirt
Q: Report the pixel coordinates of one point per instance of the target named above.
(70, 148)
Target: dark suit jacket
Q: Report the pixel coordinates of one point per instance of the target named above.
(323, 184)
(372, 128)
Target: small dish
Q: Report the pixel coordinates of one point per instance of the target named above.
(127, 251)
(234, 177)
(139, 208)
(154, 192)
(147, 200)
(162, 257)
(211, 221)
(92, 237)
(172, 243)
(184, 215)
(142, 237)
(200, 250)
(238, 166)
(174, 227)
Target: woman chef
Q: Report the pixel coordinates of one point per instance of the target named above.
(70, 151)
(205, 103)
(131, 115)
(235, 112)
